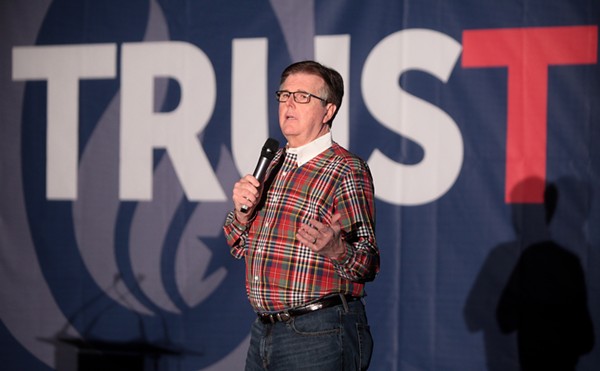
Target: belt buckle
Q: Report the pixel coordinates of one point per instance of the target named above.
(314, 306)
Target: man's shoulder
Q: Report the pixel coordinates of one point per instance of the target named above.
(345, 156)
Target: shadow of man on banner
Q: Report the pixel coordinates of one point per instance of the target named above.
(545, 298)
(480, 307)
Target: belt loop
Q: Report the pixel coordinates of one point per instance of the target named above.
(344, 302)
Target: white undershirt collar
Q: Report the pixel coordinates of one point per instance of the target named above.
(310, 150)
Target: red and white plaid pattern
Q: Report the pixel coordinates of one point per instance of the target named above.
(282, 273)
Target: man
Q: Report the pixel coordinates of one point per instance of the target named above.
(308, 236)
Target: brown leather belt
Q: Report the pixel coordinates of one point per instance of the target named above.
(286, 315)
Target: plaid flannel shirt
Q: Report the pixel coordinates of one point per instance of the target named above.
(282, 273)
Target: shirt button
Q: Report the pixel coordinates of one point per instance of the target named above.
(256, 278)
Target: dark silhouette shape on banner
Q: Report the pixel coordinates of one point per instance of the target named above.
(529, 299)
(545, 298)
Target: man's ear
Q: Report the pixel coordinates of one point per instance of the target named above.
(331, 108)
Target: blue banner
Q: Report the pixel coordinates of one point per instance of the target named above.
(124, 126)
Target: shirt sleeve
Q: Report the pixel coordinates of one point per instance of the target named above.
(236, 235)
(355, 202)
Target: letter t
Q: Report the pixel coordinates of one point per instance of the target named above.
(527, 53)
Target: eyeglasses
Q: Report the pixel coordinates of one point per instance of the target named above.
(301, 97)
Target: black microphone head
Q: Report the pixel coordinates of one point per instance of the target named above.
(270, 148)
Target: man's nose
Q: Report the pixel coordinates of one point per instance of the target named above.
(290, 102)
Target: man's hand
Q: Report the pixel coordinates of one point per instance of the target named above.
(246, 192)
(324, 239)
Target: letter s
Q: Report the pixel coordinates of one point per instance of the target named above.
(414, 118)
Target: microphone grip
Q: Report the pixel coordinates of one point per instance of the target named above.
(259, 174)
(261, 168)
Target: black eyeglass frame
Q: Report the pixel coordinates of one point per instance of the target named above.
(278, 94)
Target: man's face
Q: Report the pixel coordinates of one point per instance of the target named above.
(302, 123)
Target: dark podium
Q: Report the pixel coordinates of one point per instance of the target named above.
(74, 354)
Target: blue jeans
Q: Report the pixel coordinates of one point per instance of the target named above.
(335, 338)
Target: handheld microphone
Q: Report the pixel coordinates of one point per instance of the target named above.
(266, 155)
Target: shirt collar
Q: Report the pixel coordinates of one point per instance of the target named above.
(310, 150)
